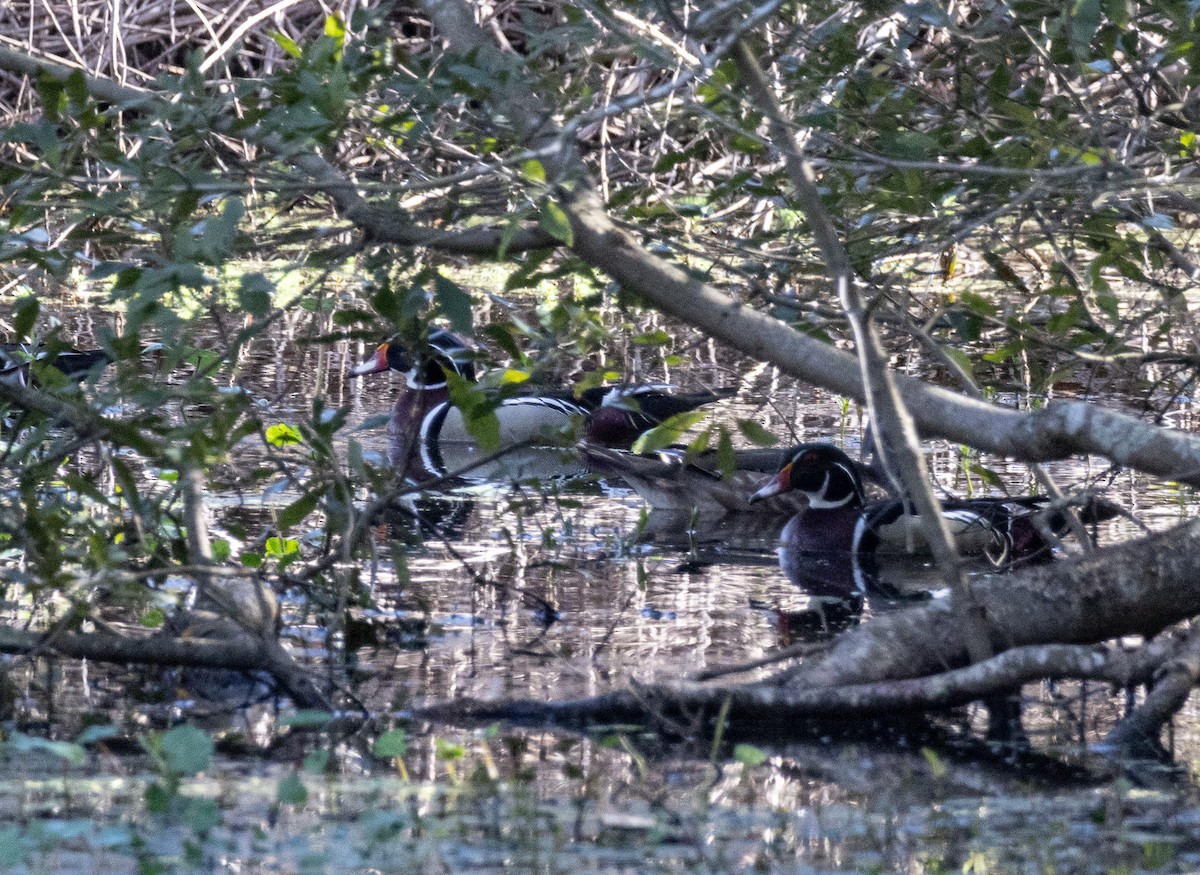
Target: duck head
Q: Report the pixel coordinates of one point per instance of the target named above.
(825, 475)
(443, 351)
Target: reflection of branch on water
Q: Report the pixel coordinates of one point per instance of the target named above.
(547, 612)
(242, 653)
(912, 660)
(795, 651)
(455, 477)
(764, 701)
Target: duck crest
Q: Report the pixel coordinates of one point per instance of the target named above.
(447, 352)
(823, 473)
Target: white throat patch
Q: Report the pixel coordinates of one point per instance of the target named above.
(817, 500)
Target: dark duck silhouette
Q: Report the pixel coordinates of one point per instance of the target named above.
(16, 362)
(839, 518)
(675, 480)
(427, 432)
(20, 365)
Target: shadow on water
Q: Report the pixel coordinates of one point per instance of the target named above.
(571, 589)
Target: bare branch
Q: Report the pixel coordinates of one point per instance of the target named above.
(893, 428)
(1138, 733)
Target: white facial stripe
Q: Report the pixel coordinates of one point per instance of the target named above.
(567, 408)
(862, 582)
(966, 517)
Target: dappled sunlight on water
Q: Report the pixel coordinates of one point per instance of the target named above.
(571, 589)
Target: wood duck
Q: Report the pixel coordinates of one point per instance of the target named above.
(673, 480)
(425, 424)
(839, 519)
(16, 360)
(618, 415)
(16, 369)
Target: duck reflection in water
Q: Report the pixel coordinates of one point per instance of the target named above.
(834, 585)
(841, 585)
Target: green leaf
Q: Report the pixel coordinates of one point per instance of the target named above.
(1118, 12)
(756, 434)
(298, 509)
(73, 753)
(220, 232)
(202, 814)
(672, 159)
(937, 766)
(553, 220)
(913, 145)
(726, 461)
(454, 303)
(700, 443)
(316, 762)
(306, 717)
(12, 849)
(187, 749)
(653, 338)
(286, 43)
(1108, 305)
(292, 791)
(667, 432)
(392, 744)
(153, 618)
(1085, 21)
(281, 547)
(987, 475)
(534, 171)
(960, 358)
(24, 317)
(254, 294)
(157, 798)
(749, 755)
(478, 411)
(513, 377)
(97, 733)
(282, 435)
(1004, 272)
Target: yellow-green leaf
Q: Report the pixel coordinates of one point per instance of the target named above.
(286, 43)
(667, 432)
(555, 222)
(282, 435)
(534, 171)
(756, 434)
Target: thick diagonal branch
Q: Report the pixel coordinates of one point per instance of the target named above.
(1059, 430)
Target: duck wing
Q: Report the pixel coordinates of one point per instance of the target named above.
(671, 481)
